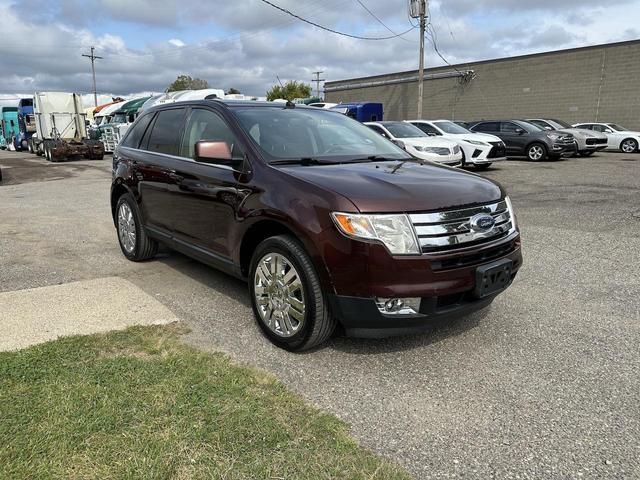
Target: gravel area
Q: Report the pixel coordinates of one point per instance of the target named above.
(543, 384)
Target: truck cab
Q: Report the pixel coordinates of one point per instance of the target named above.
(10, 128)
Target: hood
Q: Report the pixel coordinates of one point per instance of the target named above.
(410, 186)
(437, 142)
(480, 137)
(583, 132)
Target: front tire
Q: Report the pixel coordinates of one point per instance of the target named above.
(287, 298)
(134, 242)
(536, 152)
(629, 145)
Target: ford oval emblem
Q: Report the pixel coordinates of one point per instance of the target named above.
(482, 222)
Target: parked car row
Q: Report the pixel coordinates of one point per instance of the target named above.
(483, 142)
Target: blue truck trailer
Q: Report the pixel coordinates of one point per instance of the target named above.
(361, 111)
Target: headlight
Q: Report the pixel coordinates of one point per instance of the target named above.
(512, 214)
(394, 231)
(436, 150)
(475, 142)
(553, 136)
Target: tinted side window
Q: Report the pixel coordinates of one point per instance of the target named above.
(587, 127)
(597, 128)
(132, 140)
(487, 127)
(377, 129)
(428, 129)
(207, 125)
(508, 127)
(165, 134)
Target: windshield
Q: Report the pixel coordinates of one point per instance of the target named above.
(119, 118)
(617, 128)
(530, 127)
(294, 133)
(404, 130)
(450, 127)
(560, 124)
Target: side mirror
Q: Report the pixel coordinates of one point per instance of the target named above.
(399, 143)
(519, 131)
(608, 130)
(431, 134)
(217, 152)
(548, 128)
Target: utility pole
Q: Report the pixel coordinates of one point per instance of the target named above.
(93, 58)
(418, 9)
(318, 80)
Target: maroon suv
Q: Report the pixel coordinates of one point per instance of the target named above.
(330, 223)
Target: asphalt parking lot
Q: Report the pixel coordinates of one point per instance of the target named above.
(543, 384)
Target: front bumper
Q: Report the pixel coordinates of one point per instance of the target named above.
(564, 148)
(445, 282)
(482, 154)
(452, 160)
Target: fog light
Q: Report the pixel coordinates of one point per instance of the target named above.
(398, 306)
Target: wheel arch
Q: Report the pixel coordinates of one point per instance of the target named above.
(629, 138)
(269, 227)
(117, 190)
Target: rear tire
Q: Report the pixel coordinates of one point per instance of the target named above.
(290, 306)
(134, 241)
(536, 152)
(629, 145)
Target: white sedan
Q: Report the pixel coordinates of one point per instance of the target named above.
(619, 137)
(480, 149)
(418, 144)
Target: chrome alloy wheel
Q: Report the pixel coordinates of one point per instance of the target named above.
(536, 152)
(126, 228)
(629, 146)
(279, 295)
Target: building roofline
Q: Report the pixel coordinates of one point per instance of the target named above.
(469, 64)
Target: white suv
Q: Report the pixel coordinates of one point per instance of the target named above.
(418, 144)
(480, 149)
(619, 138)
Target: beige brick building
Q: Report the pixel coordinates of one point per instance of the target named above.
(596, 83)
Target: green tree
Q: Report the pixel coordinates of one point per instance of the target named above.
(290, 90)
(233, 91)
(185, 82)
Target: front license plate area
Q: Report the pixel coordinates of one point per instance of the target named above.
(493, 278)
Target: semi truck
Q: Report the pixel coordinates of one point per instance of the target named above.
(26, 124)
(9, 122)
(61, 131)
(118, 121)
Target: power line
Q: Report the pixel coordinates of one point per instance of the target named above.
(288, 12)
(380, 21)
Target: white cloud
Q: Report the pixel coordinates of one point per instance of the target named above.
(43, 50)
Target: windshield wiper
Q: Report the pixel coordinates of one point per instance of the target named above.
(298, 161)
(374, 158)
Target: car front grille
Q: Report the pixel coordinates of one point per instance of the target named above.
(441, 151)
(452, 229)
(498, 150)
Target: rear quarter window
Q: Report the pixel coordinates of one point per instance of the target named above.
(166, 132)
(132, 140)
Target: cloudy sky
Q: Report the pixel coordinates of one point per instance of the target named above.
(246, 43)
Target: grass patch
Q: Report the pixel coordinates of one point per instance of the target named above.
(140, 404)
